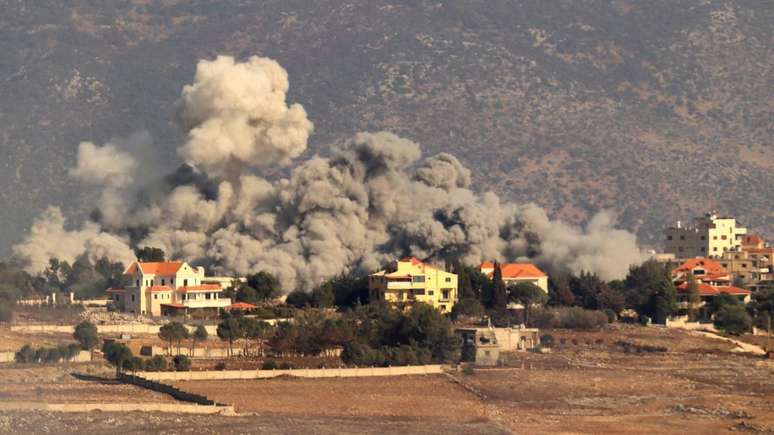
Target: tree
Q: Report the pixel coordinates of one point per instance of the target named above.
(323, 296)
(464, 282)
(559, 293)
(86, 334)
(499, 294)
(527, 294)
(182, 363)
(642, 281)
(199, 334)
(733, 319)
(229, 329)
(694, 299)
(117, 354)
(149, 254)
(6, 310)
(763, 305)
(662, 302)
(593, 293)
(739, 282)
(299, 299)
(468, 307)
(266, 285)
(723, 300)
(173, 332)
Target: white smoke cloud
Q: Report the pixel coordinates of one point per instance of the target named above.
(48, 238)
(236, 113)
(374, 199)
(105, 165)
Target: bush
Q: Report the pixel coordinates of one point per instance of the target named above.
(134, 364)
(46, 354)
(182, 363)
(733, 319)
(468, 307)
(285, 366)
(547, 340)
(639, 348)
(86, 334)
(611, 315)
(543, 318)
(269, 364)
(156, 364)
(25, 355)
(468, 369)
(578, 318)
(220, 366)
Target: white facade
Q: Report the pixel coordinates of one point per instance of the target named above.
(709, 236)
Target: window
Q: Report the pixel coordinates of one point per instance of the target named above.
(207, 296)
(682, 237)
(703, 238)
(680, 249)
(744, 265)
(162, 281)
(185, 282)
(669, 237)
(448, 279)
(445, 294)
(155, 296)
(714, 237)
(430, 292)
(138, 283)
(714, 249)
(418, 291)
(418, 278)
(132, 298)
(723, 237)
(703, 249)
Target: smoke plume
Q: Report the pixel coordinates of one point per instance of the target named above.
(374, 198)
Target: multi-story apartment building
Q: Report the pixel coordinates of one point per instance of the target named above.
(708, 236)
(166, 288)
(410, 280)
(514, 273)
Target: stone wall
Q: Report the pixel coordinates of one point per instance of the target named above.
(116, 407)
(301, 373)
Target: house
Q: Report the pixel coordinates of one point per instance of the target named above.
(742, 265)
(479, 346)
(166, 288)
(514, 273)
(708, 236)
(410, 280)
(711, 278)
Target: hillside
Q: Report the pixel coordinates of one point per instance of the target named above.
(657, 110)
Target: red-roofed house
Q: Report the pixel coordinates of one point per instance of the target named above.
(166, 288)
(514, 273)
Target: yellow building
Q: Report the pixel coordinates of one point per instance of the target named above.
(410, 280)
(709, 236)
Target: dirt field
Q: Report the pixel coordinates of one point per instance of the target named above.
(54, 383)
(13, 341)
(626, 379)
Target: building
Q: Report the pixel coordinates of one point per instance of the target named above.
(741, 265)
(166, 288)
(711, 278)
(410, 280)
(482, 345)
(514, 273)
(708, 236)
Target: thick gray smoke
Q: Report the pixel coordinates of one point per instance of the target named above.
(373, 199)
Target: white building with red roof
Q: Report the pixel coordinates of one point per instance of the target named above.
(166, 288)
(711, 280)
(514, 273)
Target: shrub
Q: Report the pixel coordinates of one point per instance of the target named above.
(578, 318)
(547, 340)
(25, 355)
(611, 315)
(134, 364)
(6, 312)
(182, 363)
(269, 364)
(468, 369)
(733, 319)
(543, 318)
(86, 334)
(156, 364)
(220, 366)
(286, 366)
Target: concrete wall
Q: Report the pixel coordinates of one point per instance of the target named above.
(301, 373)
(130, 328)
(82, 356)
(199, 352)
(116, 407)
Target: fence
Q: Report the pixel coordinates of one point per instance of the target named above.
(116, 407)
(301, 373)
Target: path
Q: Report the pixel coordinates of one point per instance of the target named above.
(740, 345)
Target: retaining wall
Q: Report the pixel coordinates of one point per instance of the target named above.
(301, 373)
(167, 389)
(82, 356)
(115, 407)
(130, 328)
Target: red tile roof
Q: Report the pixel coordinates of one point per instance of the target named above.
(159, 288)
(199, 288)
(154, 268)
(116, 290)
(712, 290)
(514, 270)
(242, 306)
(752, 239)
(710, 266)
